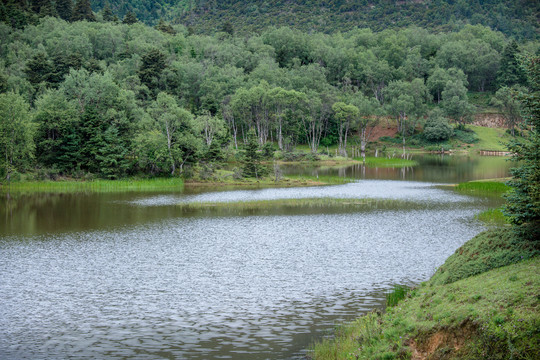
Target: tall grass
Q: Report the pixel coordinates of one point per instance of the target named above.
(493, 217)
(372, 161)
(483, 188)
(158, 184)
(398, 293)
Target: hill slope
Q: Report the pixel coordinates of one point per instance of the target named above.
(516, 18)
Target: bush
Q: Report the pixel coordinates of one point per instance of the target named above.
(437, 127)
(466, 135)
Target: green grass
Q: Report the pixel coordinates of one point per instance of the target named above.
(157, 184)
(398, 293)
(493, 217)
(387, 162)
(493, 315)
(493, 188)
(488, 250)
(490, 139)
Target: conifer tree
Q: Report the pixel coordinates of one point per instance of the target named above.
(130, 18)
(107, 13)
(523, 202)
(83, 11)
(64, 8)
(510, 72)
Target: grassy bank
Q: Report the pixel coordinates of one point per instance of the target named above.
(481, 304)
(157, 184)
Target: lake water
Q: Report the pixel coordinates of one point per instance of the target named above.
(130, 275)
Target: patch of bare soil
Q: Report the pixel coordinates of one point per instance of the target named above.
(489, 120)
(382, 130)
(443, 343)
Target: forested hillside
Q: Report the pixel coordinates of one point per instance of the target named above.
(94, 96)
(518, 19)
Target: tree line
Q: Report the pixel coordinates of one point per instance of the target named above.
(112, 99)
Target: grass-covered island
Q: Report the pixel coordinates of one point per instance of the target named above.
(481, 304)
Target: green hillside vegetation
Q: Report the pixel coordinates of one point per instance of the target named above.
(517, 18)
(94, 97)
(493, 315)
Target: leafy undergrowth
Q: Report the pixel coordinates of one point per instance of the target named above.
(493, 315)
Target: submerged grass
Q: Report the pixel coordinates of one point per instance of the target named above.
(493, 315)
(157, 184)
(295, 206)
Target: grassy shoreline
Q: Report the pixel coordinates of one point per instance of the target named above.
(133, 184)
(474, 307)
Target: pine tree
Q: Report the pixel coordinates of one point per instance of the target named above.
(83, 11)
(523, 202)
(510, 72)
(252, 161)
(153, 64)
(130, 18)
(38, 69)
(228, 28)
(107, 13)
(64, 8)
(166, 28)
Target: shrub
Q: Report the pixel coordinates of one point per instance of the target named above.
(437, 127)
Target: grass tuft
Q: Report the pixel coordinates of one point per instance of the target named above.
(398, 293)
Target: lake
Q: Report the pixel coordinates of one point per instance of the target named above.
(131, 275)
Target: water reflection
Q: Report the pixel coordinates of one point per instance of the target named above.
(431, 168)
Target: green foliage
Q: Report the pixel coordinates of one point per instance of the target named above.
(511, 108)
(523, 202)
(252, 161)
(510, 72)
(437, 128)
(16, 135)
(398, 293)
(82, 11)
(517, 19)
(130, 18)
(456, 104)
(287, 85)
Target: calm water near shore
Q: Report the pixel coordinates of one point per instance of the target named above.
(129, 275)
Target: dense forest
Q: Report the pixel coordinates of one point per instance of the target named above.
(98, 96)
(518, 19)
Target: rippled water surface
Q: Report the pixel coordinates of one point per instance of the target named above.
(127, 275)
